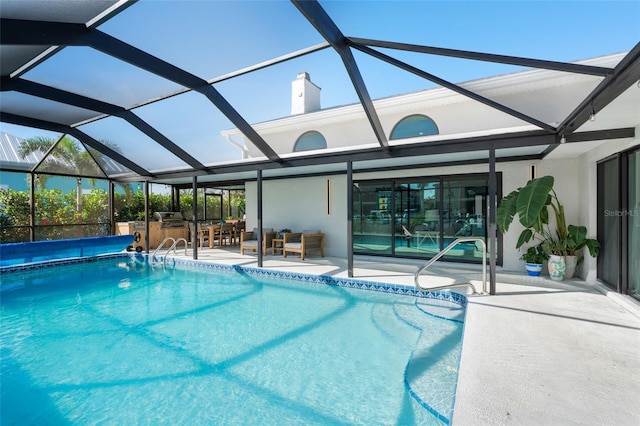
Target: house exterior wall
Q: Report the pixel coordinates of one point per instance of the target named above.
(301, 203)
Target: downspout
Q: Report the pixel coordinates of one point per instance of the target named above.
(241, 145)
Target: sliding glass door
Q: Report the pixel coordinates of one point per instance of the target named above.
(418, 217)
(372, 224)
(609, 222)
(619, 222)
(465, 207)
(633, 224)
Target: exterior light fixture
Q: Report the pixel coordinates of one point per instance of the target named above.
(563, 139)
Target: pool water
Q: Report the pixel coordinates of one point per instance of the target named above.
(120, 342)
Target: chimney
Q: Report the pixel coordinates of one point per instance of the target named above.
(305, 96)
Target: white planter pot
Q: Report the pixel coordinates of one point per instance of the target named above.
(557, 267)
(571, 262)
(533, 269)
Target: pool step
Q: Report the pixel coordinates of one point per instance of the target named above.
(394, 326)
(408, 313)
(441, 309)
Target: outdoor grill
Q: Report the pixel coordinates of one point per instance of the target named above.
(169, 219)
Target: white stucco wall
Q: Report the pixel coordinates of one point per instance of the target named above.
(301, 204)
(566, 174)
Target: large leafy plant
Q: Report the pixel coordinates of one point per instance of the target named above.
(533, 204)
(577, 240)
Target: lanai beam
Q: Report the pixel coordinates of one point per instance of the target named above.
(80, 101)
(321, 21)
(25, 32)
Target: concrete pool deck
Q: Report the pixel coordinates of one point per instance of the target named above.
(539, 352)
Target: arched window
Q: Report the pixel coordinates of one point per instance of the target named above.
(310, 140)
(414, 125)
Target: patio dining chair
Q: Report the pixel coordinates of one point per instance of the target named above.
(239, 227)
(227, 234)
(200, 235)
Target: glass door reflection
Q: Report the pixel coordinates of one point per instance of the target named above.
(417, 218)
(372, 225)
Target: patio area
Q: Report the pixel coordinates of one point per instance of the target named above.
(539, 352)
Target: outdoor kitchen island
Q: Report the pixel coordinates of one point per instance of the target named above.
(164, 224)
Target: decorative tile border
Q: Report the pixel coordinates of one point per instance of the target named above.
(402, 289)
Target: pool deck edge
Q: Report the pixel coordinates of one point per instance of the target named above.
(549, 354)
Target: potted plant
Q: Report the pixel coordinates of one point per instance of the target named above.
(531, 204)
(534, 258)
(283, 231)
(576, 241)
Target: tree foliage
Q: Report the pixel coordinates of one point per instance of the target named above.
(56, 215)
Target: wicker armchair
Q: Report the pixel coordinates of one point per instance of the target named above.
(249, 241)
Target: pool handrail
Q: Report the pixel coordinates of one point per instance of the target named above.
(416, 277)
(173, 246)
(153, 255)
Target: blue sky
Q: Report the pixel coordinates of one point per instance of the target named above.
(211, 38)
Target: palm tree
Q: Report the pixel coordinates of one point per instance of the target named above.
(68, 158)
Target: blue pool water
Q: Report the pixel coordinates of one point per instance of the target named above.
(117, 341)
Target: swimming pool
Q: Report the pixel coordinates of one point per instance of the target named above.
(120, 341)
